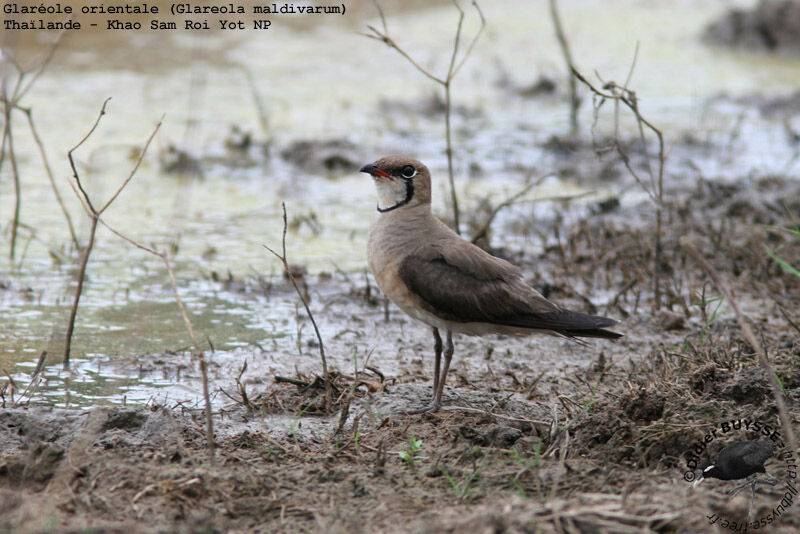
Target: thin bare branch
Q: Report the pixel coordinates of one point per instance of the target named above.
(456, 41)
(382, 16)
(200, 355)
(94, 215)
(453, 67)
(626, 96)
(474, 40)
(80, 197)
(378, 36)
(17, 188)
(73, 314)
(129, 240)
(655, 189)
(751, 338)
(481, 233)
(29, 113)
(33, 383)
(574, 103)
(288, 271)
(12, 100)
(48, 55)
(75, 174)
(134, 169)
(632, 67)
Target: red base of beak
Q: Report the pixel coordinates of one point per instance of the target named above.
(371, 169)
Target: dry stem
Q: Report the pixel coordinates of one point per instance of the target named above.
(95, 214)
(508, 202)
(751, 339)
(29, 114)
(655, 186)
(574, 102)
(326, 377)
(10, 102)
(446, 83)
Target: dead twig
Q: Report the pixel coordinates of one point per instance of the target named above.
(445, 81)
(29, 114)
(95, 215)
(574, 102)
(9, 139)
(510, 201)
(199, 353)
(751, 339)
(287, 269)
(33, 383)
(654, 186)
(10, 102)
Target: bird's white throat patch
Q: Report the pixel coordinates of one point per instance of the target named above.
(390, 192)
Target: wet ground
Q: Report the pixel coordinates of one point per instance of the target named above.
(537, 434)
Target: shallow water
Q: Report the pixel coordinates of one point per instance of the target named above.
(324, 82)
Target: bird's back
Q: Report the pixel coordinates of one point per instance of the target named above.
(742, 459)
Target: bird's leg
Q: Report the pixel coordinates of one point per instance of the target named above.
(439, 378)
(750, 481)
(752, 499)
(769, 479)
(437, 348)
(448, 355)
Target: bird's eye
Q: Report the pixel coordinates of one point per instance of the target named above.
(408, 171)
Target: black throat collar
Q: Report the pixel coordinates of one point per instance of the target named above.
(409, 196)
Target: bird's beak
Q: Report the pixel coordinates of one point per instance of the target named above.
(374, 171)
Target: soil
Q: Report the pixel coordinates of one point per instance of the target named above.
(520, 445)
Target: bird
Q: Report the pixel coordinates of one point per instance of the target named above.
(739, 460)
(442, 280)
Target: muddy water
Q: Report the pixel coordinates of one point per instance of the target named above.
(319, 82)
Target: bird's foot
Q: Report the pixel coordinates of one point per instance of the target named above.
(740, 487)
(753, 481)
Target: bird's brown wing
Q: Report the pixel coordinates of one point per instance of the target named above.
(481, 292)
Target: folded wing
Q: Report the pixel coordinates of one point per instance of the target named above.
(488, 290)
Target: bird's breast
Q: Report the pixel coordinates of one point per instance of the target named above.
(387, 246)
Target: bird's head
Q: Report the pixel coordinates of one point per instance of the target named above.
(709, 471)
(400, 182)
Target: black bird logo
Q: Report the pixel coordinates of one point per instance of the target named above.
(741, 460)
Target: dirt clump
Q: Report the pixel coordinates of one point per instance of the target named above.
(772, 25)
(324, 157)
(644, 404)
